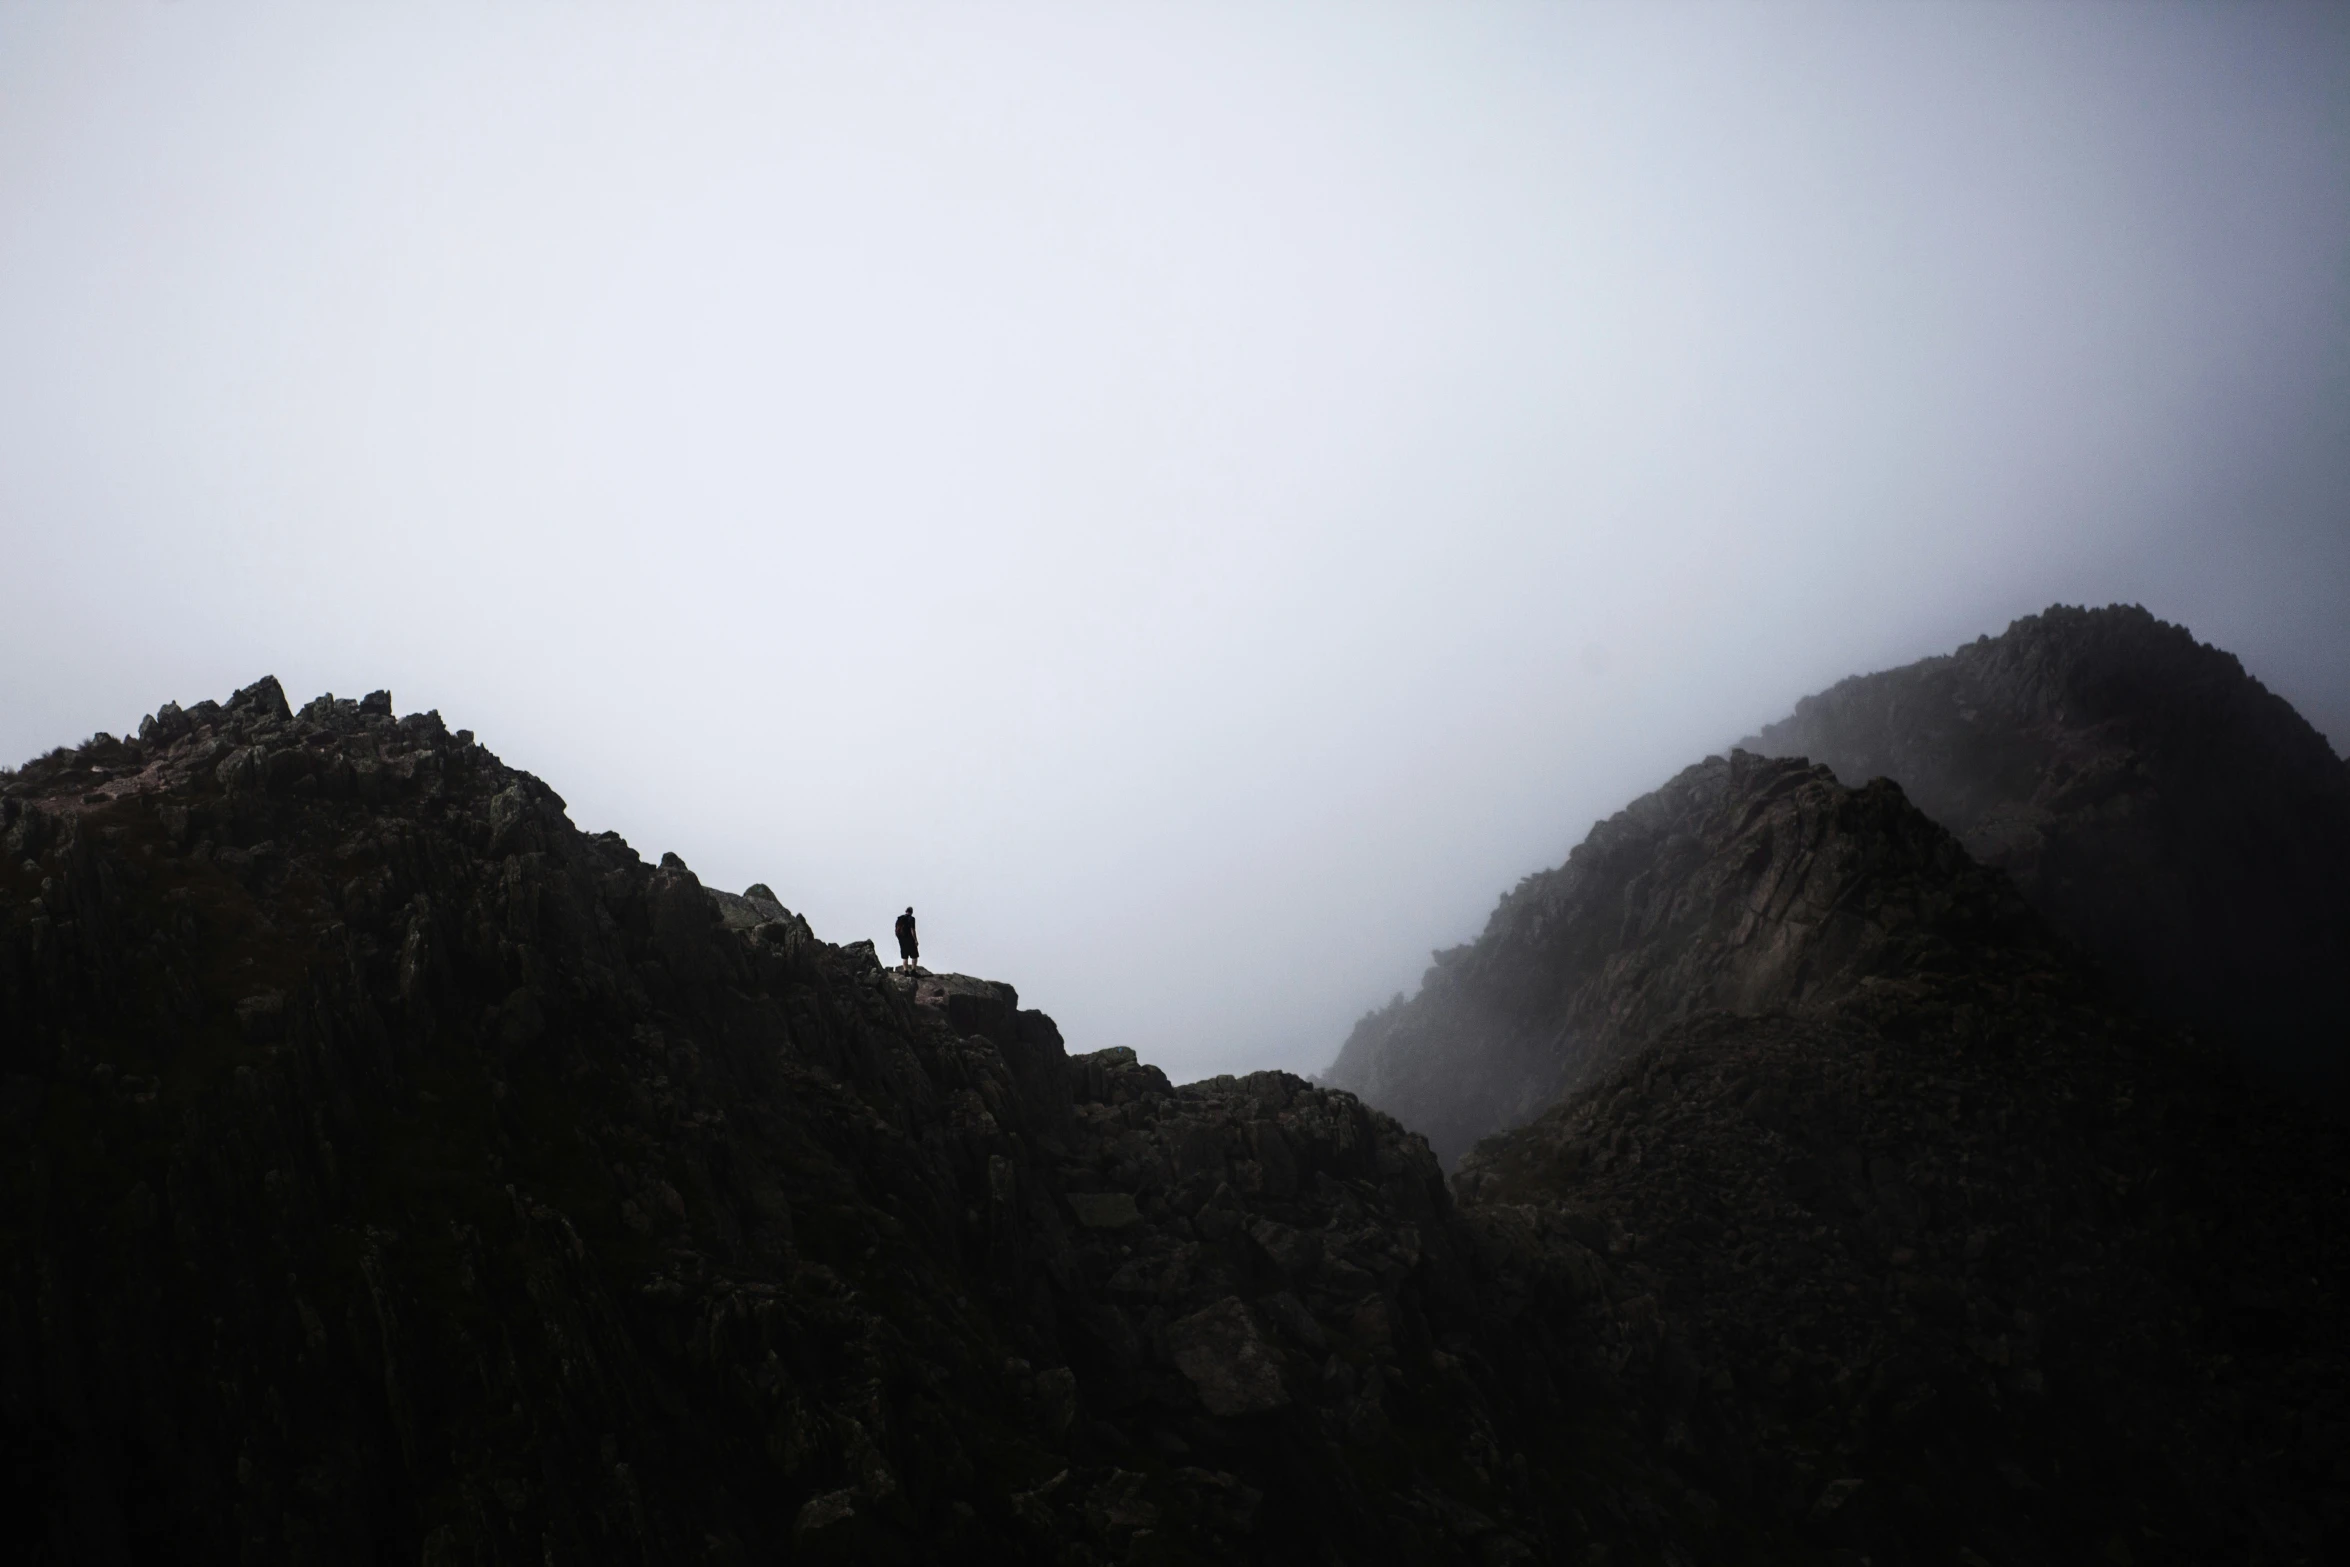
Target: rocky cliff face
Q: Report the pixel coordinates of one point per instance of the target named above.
(2157, 803)
(1744, 884)
(1967, 1267)
(392, 1171)
(1876, 1218)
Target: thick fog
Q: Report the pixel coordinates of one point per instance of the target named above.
(1196, 499)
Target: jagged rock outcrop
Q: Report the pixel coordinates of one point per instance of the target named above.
(2158, 804)
(391, 1171)
(1968, 1267)
(1875, 1218)
(1745, 884)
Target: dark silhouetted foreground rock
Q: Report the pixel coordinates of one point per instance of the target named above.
(2158, 804)
(391, 1172)
(1874, 1218)
(1965, 1264)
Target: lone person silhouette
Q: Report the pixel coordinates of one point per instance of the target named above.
(906, 946)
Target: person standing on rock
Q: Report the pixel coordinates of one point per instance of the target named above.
(906, 945)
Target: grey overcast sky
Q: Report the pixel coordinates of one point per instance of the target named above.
(1197, 499)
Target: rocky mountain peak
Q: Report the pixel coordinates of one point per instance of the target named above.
(2155, 802)
(390, 1170)
(1746, 883)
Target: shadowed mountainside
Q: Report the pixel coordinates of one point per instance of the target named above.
(2160, 806)
(1965, 1268)
(1744, 884)
(2152, 801)
(392, 1172)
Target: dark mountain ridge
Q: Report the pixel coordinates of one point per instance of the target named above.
(2160, 808)
(1967, 1266)
(2163, 808)
(393, 1171)
(1744, 884)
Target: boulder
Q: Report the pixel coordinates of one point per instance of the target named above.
(1229, 1364)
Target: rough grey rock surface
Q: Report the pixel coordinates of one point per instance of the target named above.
(1234, 1368)
(2159, 805)
(1744, 884)
(1969, 1262)
(390, 1171)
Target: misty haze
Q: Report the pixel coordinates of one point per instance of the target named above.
(1175, 783)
